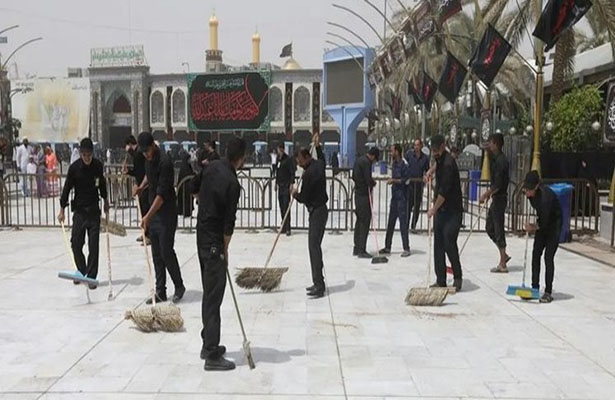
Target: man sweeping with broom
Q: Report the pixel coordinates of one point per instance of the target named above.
(447, 210)
(314, 196)
(86, 176)
(218, 197)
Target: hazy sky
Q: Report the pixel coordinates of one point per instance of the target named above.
(173, 31)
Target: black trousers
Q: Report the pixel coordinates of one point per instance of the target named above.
(363, 213)
(213, 279)
(316, 231)
(548, 242)
(397, 210)
(284, 201)
(415, 198)
(144, 203)
(82, 223)
(495, 221)
(162, 236)
(446, 232)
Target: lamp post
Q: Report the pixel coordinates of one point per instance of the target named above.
(540, 61)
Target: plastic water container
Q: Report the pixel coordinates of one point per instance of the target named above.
(383, 167)
(563, 191)
(474, 181)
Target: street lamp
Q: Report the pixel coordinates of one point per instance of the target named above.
(21, 46)
(512, 130)
(549, 126)
(596, 126)
(528, 130)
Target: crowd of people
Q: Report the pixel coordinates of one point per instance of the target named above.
(217, 189)
(42, 164)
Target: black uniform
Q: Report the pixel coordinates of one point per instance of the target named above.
(160, 178)
(500, 177)
(314, 196)
(363, 184)
(138, 172)
(218, 198)
(549, 222)
(448, 218)
(88, 181)
(285, 176)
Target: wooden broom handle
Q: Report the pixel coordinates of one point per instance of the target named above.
(149, 265)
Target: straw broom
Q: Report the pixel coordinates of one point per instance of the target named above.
(427, 296)
(164, 317)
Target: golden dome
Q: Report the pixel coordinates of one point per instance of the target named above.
(291, 64)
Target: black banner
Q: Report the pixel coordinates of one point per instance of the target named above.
(448, 8)
(609, 117)
(424, 24)
(288, 111)
(452, 78)
(558, 16)
(489, 55)
(228, 101)
(413, 91)
(428, 92)
(315, 108)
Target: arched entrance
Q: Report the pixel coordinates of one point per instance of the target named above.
(120, 119)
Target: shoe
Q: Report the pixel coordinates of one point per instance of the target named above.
(76, 282)
(92, 286)
(365, 254)
(205, 352)
(159, 299)
(437, 285)
(219, 364)
(405, 253)
(147, 241)
(457, 284)
(140, 239)
(413, 231)
(355, 252)
(179, 293)
(316, 293)
(288, 233)
(384, 251)
(310, 288)
(499, 270)
(546, 298)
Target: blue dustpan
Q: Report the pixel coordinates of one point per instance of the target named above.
(77, 276)
(523, 291)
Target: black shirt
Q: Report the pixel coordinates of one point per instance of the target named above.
(548, 210)
(218, 198)
(138, 166)
(362, 175)
(160, 179)
(500, 175)
(88, 181)
(314, 188)
(448, 184)
(285, 174)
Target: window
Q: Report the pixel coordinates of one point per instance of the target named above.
(157, 108)
(179, 106)
(275, 100)
(302, 104)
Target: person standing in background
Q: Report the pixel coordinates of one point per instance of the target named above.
(399, 204)
(418, 164)
(284, 179)
(363, 186)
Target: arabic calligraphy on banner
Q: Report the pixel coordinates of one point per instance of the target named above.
(229, 101)
(121, 56)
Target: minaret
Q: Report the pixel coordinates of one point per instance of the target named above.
(213, 56)
(256, 50)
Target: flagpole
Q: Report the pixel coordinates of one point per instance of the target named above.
(539, 46)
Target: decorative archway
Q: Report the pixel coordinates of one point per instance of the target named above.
(178, 102)
(301, 104)
(157, 108)
(275, 104)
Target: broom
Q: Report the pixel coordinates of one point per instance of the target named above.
(76, 275)
(427, 296)
(263, 278)
(158, 317)
(110, 296)
(526, 293)
(377, 259)
(246, 343)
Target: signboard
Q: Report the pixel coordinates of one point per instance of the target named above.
(288, 110)
(609, 117)
(52, 110)
(3, 40)
(315, 107)
(121, 56)
(344, 81)
(238, 101)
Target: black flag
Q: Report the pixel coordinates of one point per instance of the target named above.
(489, 55)
(428, 92)
(424, 24)
(558, 16)
(287, 51)
(414, 92)
(452, 78)
(448, 8)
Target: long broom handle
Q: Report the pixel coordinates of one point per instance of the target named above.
(371, 214)
(277, 237)
(230, 283)
(472, 227)
(429, 255)
(527, 240)
(149, 265)
(68, 249)
(109, 259)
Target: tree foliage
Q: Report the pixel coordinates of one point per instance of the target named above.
(572, 116)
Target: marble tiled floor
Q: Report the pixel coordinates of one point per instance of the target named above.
(359, 342)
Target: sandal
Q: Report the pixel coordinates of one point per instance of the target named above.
(499, 270)
(546, 298)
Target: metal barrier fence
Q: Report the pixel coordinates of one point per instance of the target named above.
(33, 200)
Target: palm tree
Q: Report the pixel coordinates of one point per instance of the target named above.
(599, 33)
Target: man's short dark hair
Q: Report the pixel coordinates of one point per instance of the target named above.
(420, 141)
(437, 141)
(86, 145)
(374, 151)
(304, 152)
(532, 179)
(397, 147)
(235, 149)
(130, 140)
(498, 139)
(281, 145)
(211, 143)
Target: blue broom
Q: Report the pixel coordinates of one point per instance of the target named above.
(524, 292)
(76, 275)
